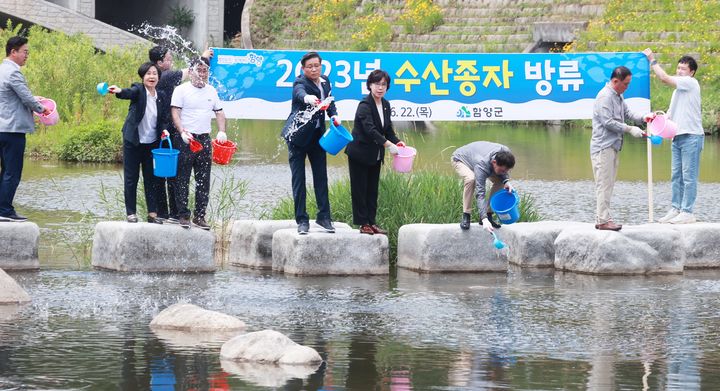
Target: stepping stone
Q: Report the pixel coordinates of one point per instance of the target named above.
(270, 347)
(640, 249)
(533, 244)
(700, 243)
(189, 317)
(19, 246)
(447, 248)
(144, 247)
(345, 252)
(251, 240)
(10, 291)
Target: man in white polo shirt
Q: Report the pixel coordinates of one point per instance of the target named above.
(685, 111)
(193, 104)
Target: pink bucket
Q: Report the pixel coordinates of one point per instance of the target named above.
(53, 117)
(662, 126)
(403, 161)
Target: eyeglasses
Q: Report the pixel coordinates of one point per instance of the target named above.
(313, 66)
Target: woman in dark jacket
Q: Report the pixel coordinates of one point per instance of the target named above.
(372, 133)
(143, 127)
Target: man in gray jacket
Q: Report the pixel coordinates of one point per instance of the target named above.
(16, 106)
(476, 163)
(609, 115)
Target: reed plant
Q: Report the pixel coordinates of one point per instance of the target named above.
(420, 197)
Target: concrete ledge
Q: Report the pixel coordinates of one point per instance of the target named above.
(533, 244)
(10, 291)
(143, 247)
(701, 244)
(641, 249)
(342, 253)
(447, 248)
(251, 240)
(19, 246)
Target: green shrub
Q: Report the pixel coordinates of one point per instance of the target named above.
(374, 33)
(421, 16)
(421, 197)
(92, 142)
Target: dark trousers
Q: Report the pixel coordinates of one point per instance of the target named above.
(12, 150)
(166, 199)
(135, 158)
(364, 182)
(318, 164)
(189, 162)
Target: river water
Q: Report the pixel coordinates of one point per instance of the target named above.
(524, 329)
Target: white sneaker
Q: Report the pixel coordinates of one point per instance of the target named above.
(669, 216)
(683, 218)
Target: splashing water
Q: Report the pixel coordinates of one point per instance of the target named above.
(303, 116)
(169, 37)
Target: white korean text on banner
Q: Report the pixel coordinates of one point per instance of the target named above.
(257, 84)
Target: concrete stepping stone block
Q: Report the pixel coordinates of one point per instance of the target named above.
(144, 247)
(533, 244)
(640, 249)
(251, 240)
(447, 248)
(19, 246)
(10, 291)
(346, 252)
(701, 244)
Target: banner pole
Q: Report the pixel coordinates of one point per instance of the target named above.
(650, 180)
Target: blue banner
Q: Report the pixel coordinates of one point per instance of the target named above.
(257, 84)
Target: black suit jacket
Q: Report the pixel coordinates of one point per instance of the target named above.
(310, 132)
(369, 134)
(136, 111)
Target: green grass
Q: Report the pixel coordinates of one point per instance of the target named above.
(420, 197)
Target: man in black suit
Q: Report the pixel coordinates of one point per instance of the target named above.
(309, 90)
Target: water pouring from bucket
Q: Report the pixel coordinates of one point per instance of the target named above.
(499, 244)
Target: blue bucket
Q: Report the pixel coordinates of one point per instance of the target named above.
(165, 160)
(335, 139)
(506, 206)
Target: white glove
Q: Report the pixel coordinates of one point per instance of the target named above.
(393, 149)
(165, 134)
(221, 137)
(186, 137)
(335, 120)
(486, 225)
(635, 131)
(311, 100)
(509, 187)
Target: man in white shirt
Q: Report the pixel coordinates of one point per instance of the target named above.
(685, 111)
(193, 105)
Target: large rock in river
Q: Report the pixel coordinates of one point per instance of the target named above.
(251, 240)
(447, 248)
(533, 244)
(144, 247)
(183, 316)
(10, 291)
(343, 253)
(701, 243)
(268, 346)
(640, 249)
(19, 246)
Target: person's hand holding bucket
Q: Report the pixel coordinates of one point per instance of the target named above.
(509, 187)
(113, 89)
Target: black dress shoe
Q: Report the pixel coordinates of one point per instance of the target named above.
(465, 223)
(15, 218)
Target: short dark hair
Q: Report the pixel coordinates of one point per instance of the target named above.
(691, 63)
(505, 159)
(198, 61)
(157, 53)
(145, 67)
(375, 77)
(14, 43)
(309, 56)
(620, 73)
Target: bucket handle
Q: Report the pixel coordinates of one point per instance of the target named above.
(168, 140)
(660, 112)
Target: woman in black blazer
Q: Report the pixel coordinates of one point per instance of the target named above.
(143, 127)
(372, 133)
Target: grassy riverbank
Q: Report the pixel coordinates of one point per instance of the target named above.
(420, 197)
